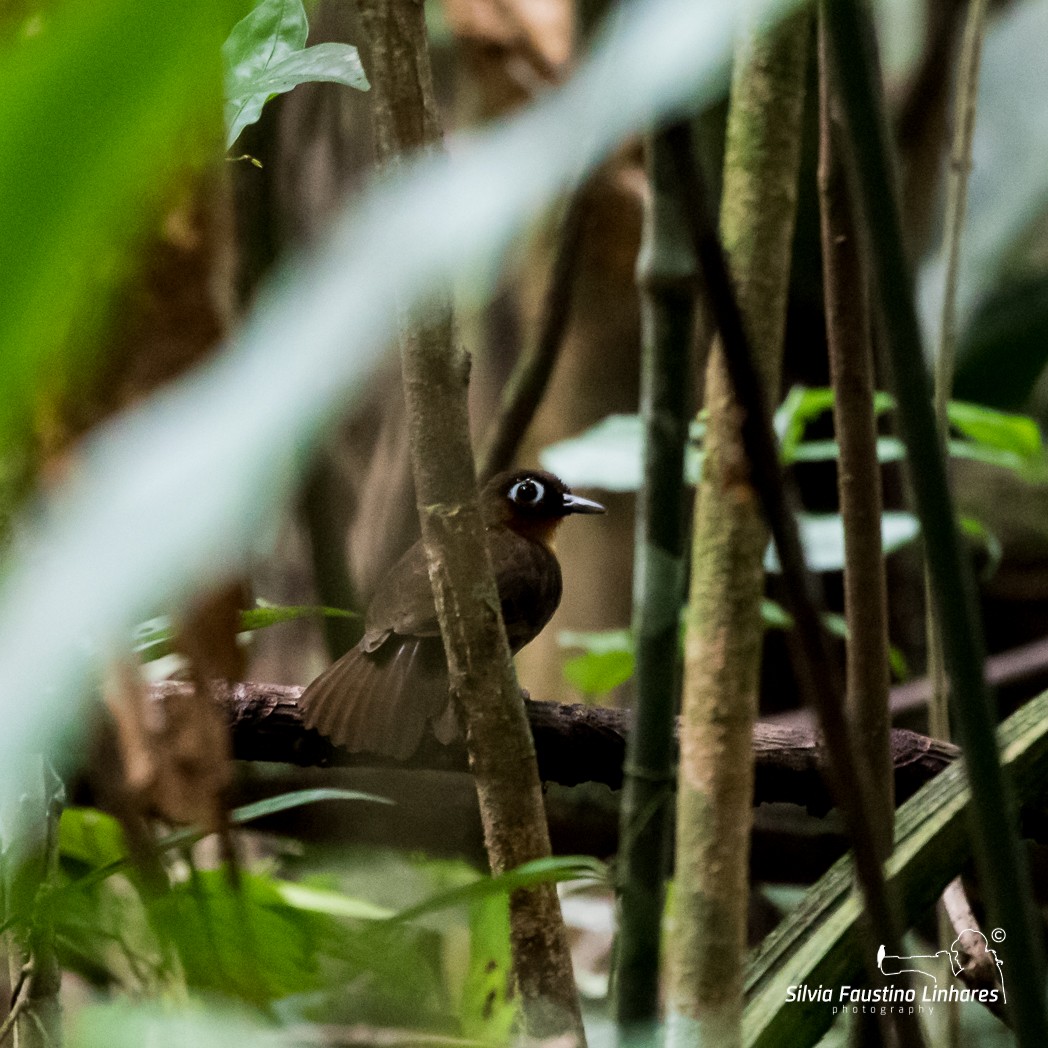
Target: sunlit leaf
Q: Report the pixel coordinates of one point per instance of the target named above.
(1000, 430)
(266, 55)
(822, 535)
(550, 870)
(154, 638)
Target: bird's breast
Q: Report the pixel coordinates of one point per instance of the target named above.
(529, 584)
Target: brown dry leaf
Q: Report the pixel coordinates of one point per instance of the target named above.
(515, 47)
(208, 634)
(176, 755)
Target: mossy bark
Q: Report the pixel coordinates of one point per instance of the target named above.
(723, 646)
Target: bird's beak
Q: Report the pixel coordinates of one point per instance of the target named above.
(577, 504)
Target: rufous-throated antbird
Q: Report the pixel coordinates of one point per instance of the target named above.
(381, 696)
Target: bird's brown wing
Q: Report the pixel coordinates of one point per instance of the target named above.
(382, 701)
(381, 696)
(403, 603)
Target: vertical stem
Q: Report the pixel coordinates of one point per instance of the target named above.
(666, 273)
(29, 843)
(858, 472)
(956, 206)
(436, 378)
(723, 646)
(1000, 860)
(527, 383)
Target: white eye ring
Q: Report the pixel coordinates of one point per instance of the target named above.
(521, 491)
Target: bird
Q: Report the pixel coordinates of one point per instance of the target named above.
(383, 695)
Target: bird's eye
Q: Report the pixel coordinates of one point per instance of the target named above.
(527, 492)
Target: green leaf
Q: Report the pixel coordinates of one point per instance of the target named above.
(820, 942)
(822, 535)
(597, 674)
(91, 837)
(610, 455)
(488, 1010)
(550, 870)
(102, 111)
(266, 55)
(332, 903)
(608, 660)
(84, 846)
(990, 543)
(1000, 430)
(889, 449)
(153, 639)
(273, 614)
(774, 616)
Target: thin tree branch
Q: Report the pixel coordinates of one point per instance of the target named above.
(846, 291)
(20, 1002)
(1000, 861)
(574, 744)
(527, 384)
(435, 374)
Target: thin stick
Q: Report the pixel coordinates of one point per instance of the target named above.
(527, 384)
(846, 288)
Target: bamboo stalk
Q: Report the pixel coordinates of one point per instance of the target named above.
(1000, 860)
(435, 374)
(724, 634)
(666, 274)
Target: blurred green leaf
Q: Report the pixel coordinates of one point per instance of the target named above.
(1000, 430)
(977, 531)
(89, 111)
(245, 941)
(332, 903)
(91, 837)
(609, 455)
(488, 1011)
(153, 639)
(266, 55)
(167, 1024)
(272, 614)
(598, 673)
(607, 660)
(96, 839)
(822, 535)
(550, 870)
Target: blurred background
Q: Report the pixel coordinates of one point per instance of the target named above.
(219, 225)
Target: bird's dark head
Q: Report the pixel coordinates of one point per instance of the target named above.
(532, 503)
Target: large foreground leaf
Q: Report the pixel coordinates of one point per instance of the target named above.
(182, 491)
(820, 943)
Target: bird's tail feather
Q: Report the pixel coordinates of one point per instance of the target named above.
(382, 702)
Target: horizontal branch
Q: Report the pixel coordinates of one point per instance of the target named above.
(575, 744)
